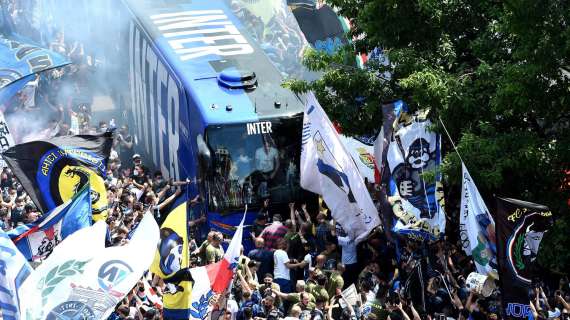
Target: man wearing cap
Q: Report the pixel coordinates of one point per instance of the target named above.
(259, 225)
(137, 162)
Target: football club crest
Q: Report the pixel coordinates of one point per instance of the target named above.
(366, 157)
(112, 273)
(71, 310)
(63, 172)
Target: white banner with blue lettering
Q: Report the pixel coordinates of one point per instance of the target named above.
(14, 269)
(477, 228)
(82, 279)
(328, 169)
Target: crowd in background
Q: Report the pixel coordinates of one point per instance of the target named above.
(302, 260)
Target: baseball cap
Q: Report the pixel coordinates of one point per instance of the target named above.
(136, 155)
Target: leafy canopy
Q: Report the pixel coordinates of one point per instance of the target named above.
(493, 71)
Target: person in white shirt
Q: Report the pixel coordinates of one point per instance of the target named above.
(282, 264)
(348, 257)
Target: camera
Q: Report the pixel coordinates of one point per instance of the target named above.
(440, 316)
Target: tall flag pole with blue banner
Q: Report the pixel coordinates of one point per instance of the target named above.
(417, 203)
(477, 228)
(521, 225)
(14, 269)
(53, 171)
(171, 260)
(20, 62)
(37, 240)
(328, 169)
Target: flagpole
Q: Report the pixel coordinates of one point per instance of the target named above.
(451, 140)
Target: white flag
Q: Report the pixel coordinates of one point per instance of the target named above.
(83, 279)
(362, 154)
(379, 148)
(214, 278)
(328, 169)
(477, 227)
(14, 269)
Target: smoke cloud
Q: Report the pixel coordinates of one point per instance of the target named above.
(93, 35)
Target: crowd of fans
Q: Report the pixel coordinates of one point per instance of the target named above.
(302, 262)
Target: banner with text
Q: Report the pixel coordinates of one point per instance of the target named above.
(53, 171)
(477, 228)
(521, 226)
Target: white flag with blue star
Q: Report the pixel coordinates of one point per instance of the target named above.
(328, 169)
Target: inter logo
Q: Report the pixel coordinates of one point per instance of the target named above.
(112, 273)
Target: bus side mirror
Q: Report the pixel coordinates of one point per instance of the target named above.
(204, 155)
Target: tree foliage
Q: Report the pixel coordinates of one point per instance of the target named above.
(491, 70)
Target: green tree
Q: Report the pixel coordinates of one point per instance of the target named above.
(493, 71)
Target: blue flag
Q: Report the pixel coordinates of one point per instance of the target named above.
(37, 240)
(14, 269)
(20, 61)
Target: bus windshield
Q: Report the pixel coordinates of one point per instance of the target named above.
(253, 162)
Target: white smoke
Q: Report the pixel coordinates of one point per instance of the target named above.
(94, 34)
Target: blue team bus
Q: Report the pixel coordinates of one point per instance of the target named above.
(206, 100)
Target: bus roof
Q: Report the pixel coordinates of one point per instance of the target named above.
(206, 42)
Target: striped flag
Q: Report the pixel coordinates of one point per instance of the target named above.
(37, 240)
(215, 278)
(152, 296)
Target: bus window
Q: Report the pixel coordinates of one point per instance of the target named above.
(253, 162)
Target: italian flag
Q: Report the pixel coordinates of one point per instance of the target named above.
(215, 278)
